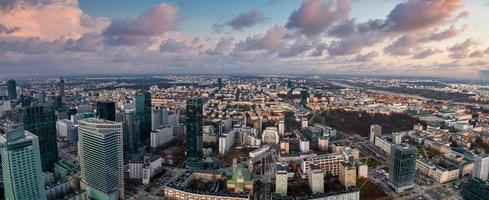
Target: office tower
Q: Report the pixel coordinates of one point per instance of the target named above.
(315, 176)
(101, 158)
(481, 167)
(281, 127)
(402, 167)
(25, 101)
(194, 111)
(281, 180)
(61, 83)
(375, 130)
(156, 118)
(304, 97)
(131, 130)
(21, 164)
(12, 89)
(106, 110)
(348, 174)
(41, 121)
(58, 102)
(143, 113)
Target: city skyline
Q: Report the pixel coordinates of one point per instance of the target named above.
(444, 38)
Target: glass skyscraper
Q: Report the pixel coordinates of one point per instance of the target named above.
(194, 111)
(41, 121)
(100, 148)
(12, 89)
(21, 164)
(402, 167)
(106, 110)
(131, 131)
(143, 113)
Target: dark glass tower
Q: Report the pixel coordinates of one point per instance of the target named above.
(41, 121)
(106, 110)
(143, 113)
(12, 89)
(402, 167)
(194, 111)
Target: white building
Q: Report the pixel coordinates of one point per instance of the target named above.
(375, 130)
(102, 176)
(270, 135)
(304, 145)
(316, 179)
(226, 142)
(136, 170)
(383, 144)
(281, 127)
(481, 167)
(329, 163)
(21, 164)
(161, 136)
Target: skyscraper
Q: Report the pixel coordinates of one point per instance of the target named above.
(403, 166)
(281, 180)
(156, 118)
(131, 130)
(12, 89)
(143, 113)
(101, 158)
(481, 167)
(194, 111)
(106, 110)
(375, 130)
(61, 83)
(21, 164)
(41, 121)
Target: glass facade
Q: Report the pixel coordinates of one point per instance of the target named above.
(476, 189)
(403, 166)
(194, 111)
(41, 121)
(106, 110)
(143, 113)
(12, 89)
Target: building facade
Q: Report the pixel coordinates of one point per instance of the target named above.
(21, 164)
(194, 112)
(103, 175)
(403, 166)
(41, 121)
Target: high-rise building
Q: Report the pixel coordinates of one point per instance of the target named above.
(315, 176)
(131, 130)
(194, 111)
(403, 166)
(41, 121)
(281, 180)
(106, 110)
(156, 118)
(348, 174)
(61, 83)
(21, 164)
(12, 89)
(65, 128)
(100, 148)
(281, 127)
(143, 113)
(375, 130)
(481, 167)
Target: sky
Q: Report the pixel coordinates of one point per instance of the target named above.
(434, 38)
